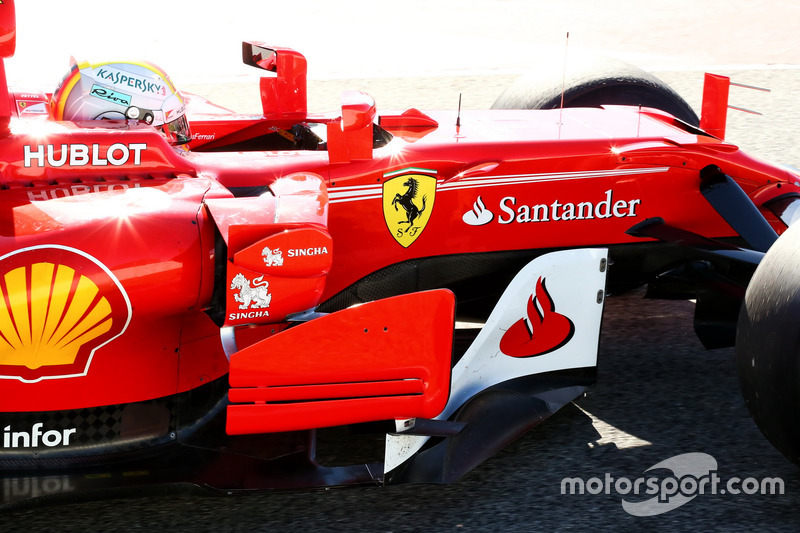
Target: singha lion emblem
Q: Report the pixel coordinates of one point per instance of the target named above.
(255, 297)
(272, 257)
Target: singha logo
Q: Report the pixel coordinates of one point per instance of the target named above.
(542, 331)
(251, 297)
(272, 257)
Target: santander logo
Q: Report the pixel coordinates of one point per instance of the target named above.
(542, 331)
(479, 216)
(509, 211)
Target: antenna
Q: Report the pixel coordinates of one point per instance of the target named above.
(563, 84)
(639, 123)
(458, 117)
(762, 89)
(564, 74)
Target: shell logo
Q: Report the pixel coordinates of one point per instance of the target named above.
(58, 305)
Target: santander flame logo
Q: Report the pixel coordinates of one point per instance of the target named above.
(542, 331)
(479, 216)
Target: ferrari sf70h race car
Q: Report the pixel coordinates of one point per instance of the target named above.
(224, 315)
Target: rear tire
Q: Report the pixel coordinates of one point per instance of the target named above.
(768, 345)
(592, 83)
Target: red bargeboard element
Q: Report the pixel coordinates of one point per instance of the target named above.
(378, 361)
(541, 332)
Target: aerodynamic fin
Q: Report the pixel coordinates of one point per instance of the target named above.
(536, 352)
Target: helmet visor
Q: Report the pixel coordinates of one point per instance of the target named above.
(178, 131)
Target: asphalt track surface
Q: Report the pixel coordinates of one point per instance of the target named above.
(659, 393)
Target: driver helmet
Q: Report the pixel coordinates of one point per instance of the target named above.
(122, 91)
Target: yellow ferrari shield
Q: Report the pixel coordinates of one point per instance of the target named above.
(407, 205)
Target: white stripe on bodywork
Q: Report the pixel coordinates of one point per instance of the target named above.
(368, 192)
(515, 179)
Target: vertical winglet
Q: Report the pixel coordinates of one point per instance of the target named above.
(715, 103)
(714, 114)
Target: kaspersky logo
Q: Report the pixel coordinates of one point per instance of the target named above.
(58, 305)
(126, 79)
(542, 331)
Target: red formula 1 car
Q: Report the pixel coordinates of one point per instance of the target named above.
(232, 314)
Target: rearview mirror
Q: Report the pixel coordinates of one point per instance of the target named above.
(283, 94)
(259, 56)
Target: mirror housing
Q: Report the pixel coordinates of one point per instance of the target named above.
(283, 95)
(8, 29)
(350, 137)
(256, 55)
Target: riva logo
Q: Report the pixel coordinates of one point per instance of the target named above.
(81, 155)
(36, 437)
(112, 96)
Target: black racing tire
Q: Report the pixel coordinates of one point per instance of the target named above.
(768, 345)
(592, 82)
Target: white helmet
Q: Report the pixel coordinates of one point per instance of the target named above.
(135, 91)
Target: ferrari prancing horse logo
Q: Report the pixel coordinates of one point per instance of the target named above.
(407, 205)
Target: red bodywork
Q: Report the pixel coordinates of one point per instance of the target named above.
(122, 195)
(140, 255)
(151, 219)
